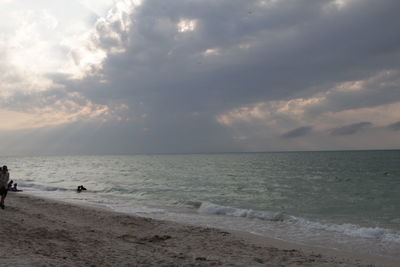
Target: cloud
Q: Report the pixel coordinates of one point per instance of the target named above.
(298, 132)
(256, 56)
(395, 126)
(257, 52)
(205, 75)
(350, 129)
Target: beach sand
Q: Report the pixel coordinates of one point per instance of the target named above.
(42, 232)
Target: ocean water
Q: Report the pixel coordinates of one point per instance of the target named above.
(346, 200)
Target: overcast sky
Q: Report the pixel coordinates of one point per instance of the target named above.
(194, 76)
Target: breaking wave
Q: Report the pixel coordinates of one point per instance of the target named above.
(347, 229)
(210, 208)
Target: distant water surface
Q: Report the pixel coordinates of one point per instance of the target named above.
(345, 200)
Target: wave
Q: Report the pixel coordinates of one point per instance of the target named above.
(302, 224)
(41, 187)
(210, 208)
(120, 190)
(351, 230)
(187, 204)
(142, 210)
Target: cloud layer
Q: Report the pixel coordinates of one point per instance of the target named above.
(208, 76)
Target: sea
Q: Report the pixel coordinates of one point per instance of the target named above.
(343, 200)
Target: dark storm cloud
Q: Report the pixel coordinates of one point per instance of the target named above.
(395, 126)
(286, 49)
(384, 88)
(350, 129)
(116, 137)
(296, 47)
(298, 132)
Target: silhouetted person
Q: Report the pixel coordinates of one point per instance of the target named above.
(14, 188)
(4, 177)
(10, 184)
(80, 188)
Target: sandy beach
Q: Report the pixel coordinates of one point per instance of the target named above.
(42, 232)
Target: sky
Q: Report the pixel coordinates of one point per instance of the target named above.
(198, 76)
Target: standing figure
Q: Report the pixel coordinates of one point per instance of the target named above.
(4, 177)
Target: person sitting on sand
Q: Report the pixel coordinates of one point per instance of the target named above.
(4, 177)
(9, 186)
(14, 188)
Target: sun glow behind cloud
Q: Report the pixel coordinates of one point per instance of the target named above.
(70, 109)
(39, 42)
(187, 25)
(269, 112)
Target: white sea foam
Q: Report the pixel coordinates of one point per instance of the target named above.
(39, 187)
(143, 210)
(350, 230)
(210, 208)
(345, 229)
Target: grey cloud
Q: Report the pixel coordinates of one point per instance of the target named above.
(29, 101)
(350, 129)
(116, 137)
(379, 90)
(395, 126)
(296, 48)
(298, 132)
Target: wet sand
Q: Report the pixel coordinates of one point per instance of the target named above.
(42, 232)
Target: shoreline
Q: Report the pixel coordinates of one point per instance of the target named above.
(48, 232)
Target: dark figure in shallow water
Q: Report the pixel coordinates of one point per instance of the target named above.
(80, 188)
